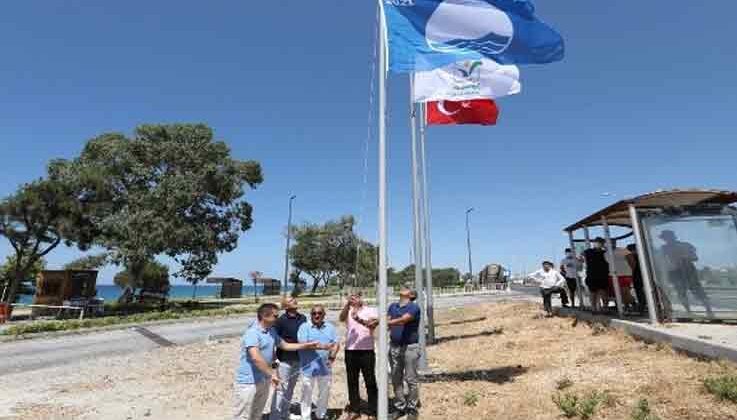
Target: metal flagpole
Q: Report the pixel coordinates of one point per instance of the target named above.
(425, 193)
(286, 252)
(382, 357)
(416, 226)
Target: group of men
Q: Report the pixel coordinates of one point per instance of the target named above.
(277, 350)
(598, 279)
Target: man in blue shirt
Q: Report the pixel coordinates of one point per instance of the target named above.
(316, 365)
(404, 353)
(255, 373)
(287, 326)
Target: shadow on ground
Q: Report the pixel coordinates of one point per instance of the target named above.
(499, 376)
(487, 333)
(464, 321)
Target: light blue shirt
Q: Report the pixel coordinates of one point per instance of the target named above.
(266, 340)
(315, 362)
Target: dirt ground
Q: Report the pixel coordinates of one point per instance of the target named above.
(505, 366)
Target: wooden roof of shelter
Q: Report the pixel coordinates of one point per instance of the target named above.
(618, 213)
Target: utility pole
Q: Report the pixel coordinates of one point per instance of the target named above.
(468, 241)
(286, 252)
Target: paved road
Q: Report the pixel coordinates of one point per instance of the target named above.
(21, 356)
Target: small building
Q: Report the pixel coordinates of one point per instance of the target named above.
(271, 287)
(64, 287)
(230, 288)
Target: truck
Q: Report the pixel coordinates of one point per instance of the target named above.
(493, 273)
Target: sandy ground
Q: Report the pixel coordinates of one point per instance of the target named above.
(510, 362)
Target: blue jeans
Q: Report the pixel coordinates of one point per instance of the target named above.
(289, 374)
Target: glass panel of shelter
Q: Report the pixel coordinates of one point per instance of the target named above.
(694, 262)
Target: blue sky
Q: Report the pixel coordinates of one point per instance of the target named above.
(645, 99)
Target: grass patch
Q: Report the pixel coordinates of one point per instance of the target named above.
(568, 404)
(471, 399)
(723, 387)
(583, 407)
(642, 411)
(75, 324)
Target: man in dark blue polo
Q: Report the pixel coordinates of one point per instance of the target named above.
(287, 326)
(404, 353)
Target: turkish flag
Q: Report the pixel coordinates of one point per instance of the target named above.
(476, 111)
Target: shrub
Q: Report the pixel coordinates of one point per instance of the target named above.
(642, 411)
(471, 399)
(74, 324)
(568, 404)
(571, 405)
(723, 387)
(590, 403)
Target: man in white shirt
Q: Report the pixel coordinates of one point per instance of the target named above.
(551, 282)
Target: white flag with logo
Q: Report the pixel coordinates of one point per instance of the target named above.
(467, 80)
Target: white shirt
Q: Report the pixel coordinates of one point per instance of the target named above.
(621, 266)
(572, 266)
(548, 279)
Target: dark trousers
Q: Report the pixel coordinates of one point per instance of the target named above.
(572, 286)
(639, 292)
(548, 295)
(359, 362)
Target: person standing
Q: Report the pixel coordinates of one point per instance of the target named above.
(360, 358)
(624, 274)
(317, 365)
(551, 282)
(634, 262)
(287, 327)
(570, 266)
(680, 262)
(404, 353)
(256, 370)
(597, 273)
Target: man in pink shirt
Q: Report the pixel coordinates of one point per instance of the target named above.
(359, 355)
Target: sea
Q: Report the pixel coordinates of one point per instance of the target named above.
(111, 293)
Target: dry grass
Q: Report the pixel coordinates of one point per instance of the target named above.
(518, 372)
(506, 366)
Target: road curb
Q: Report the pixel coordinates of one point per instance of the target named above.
(690, 346)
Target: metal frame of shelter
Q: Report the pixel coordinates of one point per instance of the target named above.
(627, 214)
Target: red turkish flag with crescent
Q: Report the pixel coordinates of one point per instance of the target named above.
(476, 111)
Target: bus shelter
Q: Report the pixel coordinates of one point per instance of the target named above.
(686, 243)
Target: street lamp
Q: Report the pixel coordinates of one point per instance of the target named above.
(286, 252)
(468, 241)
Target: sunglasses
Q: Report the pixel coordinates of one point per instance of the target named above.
(318, 313)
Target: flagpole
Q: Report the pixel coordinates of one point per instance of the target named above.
(425, 193)
(383, 350)
(417, 226)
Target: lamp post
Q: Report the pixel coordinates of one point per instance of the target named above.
(286, 252)
(468, 242)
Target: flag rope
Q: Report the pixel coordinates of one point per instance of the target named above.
(367, 141)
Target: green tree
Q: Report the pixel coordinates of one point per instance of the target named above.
(7, 275)
(326, 252)
(367, 265)
(441, 277)
(35, 220)
(169, 190)
(154, 277)
(88, 262)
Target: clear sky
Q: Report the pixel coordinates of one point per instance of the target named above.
(645, 99)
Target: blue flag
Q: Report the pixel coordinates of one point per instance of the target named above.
(427, 34)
